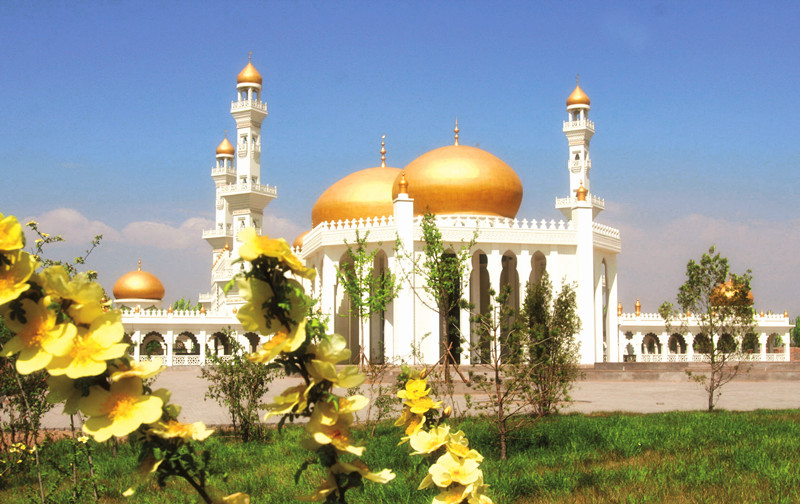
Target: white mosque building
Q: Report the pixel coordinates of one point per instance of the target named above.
(472, 193)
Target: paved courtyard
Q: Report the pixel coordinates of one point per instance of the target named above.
(591, 396)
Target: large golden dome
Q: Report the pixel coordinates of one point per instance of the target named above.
(459, 179)
(138, 284)
(365, 193)
(249, 75)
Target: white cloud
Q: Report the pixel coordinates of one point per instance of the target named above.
(165, 236)
(73, 226)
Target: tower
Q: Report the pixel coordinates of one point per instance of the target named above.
(581, 209)
(240, 195)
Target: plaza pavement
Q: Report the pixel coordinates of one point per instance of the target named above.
(588, 396)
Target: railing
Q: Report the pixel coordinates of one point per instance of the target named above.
(580, 123)
(249, 187)
(482, 222)
(573, 200)
(245, 104)
(701, 357)
(604, 230)
(186, 360)
(217, 233)
(223, 170)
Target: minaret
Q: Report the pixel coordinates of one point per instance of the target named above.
(240, 194)
(581, 208)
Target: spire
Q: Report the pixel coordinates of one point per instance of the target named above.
(140, 264)
(383, 151)
(403, 184)
(456, 130)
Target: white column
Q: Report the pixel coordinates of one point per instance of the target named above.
(327, 294)
(494, 266)
(401, 264)
(170, 341)
(787, 341)
(614, 341)
(762, 343)
(689, 338)
(464, 324)
(136, 338)
(584, 275)
(524, 269)
(203, 341)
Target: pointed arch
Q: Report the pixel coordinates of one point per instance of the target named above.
(538, 266)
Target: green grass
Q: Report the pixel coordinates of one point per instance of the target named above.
(684, 457)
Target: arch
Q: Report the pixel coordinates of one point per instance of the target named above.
(774, 343)
(726, 343)
(701, 344)
(252, 340)
(651, 344)
(186, 344)
(750, 343)
(451, 321)
(219, 344)
(377, 322)
(153, 344)
(677, 344)
(479, 297)
(345, 319)
(538, 266)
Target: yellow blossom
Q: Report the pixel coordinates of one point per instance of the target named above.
(449, 469)
(325, 488)
(349, 376)
(173, 429)
(329, 411)
(287, 400)
(424, 442)
(333, 349)
(254, 246)
(236, 498)
(458, 446)
(361, 468)
(422, 405)
(415, 389)
(257, 292)
(15, 271)
(118, 411)
(11, 237)
(453, 495)
(281, 342)
(337, 435)
(478, 495)
(92, 347)
(39, 339)
(411, 421)
(130, 368)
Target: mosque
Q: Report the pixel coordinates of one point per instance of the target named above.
(473, 193)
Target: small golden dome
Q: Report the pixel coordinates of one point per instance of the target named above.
(619, 308)
(725, 294)
(225, 148)
(402, 186)
(581, 192)
(138, 284)
(637, 307)
(249, 74)
(365, 193)
(459, 179)
(298, 242)
(578, 97)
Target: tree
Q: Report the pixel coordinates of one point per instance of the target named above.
(445, 273)
(509, 373)
(369, 292)
(184, 304)
(549, 326)
(796, 333)
(720, 303)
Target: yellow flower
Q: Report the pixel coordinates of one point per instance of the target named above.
(39, 339)
(256, 293)
(478, 495)
(428, 442)
(78, 289)
(236, 498)
(337, 435)
(325, 488)
(458, 446)
(15, 270)
(11, 237)
(411, 421)
(289, 398)
(449, 469)
(119, 411)
(254, 246)
(131, 369)
(415, 389)
(333, 349)
(62, 389)
(422, 405)
(281, 342)
(361, 468)
(92, 347)
(173, 429)
(329, 411)
(349, 377)
(453, 495)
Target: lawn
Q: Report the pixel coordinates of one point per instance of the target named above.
(684, 457)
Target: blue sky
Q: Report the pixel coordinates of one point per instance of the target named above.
(112, 110)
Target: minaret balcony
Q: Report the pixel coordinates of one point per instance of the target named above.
(249, 104)
(223, 170)
(217, 233)
(248, 187)
(579, 124)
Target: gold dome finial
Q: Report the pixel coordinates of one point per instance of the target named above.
(581, 192)
(638, 307)
(578, 97)
(619, 309)
(140, 264)
(403, 183)
(456, 130)
(250, 57)
(383, 151)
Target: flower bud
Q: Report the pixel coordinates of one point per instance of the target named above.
(423, 374)
(447, 411)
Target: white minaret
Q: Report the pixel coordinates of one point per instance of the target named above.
(581, 210)
(240, 195)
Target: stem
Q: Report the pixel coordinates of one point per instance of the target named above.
(74, 458)
(199, 488)
(35, 444)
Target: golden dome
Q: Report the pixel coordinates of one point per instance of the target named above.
(249, 75)
(578, 97)
(581, 192)
(138, 284)
(725, 294)
(365, 193)
(225, 147)
(459, 179)
(298, 242)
